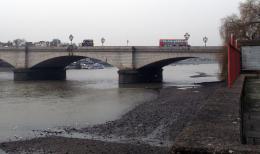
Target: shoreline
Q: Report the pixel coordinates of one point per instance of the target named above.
(160, 120)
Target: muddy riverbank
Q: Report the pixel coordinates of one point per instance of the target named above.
(150, 127)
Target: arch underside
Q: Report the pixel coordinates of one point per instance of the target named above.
(160, 64)
(59, 62)
(4, 63)
(63, 61)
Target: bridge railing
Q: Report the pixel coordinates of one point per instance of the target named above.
(234, 60)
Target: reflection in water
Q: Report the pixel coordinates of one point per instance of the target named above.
(183, 75)
(87, 97)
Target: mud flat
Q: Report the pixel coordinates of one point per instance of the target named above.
(151, 127)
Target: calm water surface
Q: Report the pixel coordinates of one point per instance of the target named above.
(87, 97)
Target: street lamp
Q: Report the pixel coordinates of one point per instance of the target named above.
(70, 48)
(127, 42)
(103, 40)
(71, 38)
(187, 36)
(205, 40)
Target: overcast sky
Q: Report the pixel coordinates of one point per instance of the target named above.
(142, 22)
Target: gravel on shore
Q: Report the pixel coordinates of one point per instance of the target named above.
(151, 127)
(61, 145)
(159, 120)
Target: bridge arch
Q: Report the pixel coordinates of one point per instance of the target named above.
(160, 64)
(153, 71)
(59, 62)
(7, 64)
(120, 59)
(50, 69)
(148, 60)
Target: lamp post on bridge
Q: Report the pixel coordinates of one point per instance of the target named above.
(71, 38)
(205, 40)
(187, 36)
(103, 40)
(70, 48)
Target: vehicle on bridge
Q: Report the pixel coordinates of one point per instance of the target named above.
(88, 43)
(174, 43)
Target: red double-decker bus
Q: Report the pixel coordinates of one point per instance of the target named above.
(173, 43)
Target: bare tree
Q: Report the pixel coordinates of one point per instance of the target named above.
(19, 42)
(244, 26)
(55, 43)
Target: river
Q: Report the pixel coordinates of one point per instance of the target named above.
(87, 97)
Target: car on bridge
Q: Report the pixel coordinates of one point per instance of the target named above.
(88, 43)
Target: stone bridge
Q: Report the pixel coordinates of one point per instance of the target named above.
(135, 64)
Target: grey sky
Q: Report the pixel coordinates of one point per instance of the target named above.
(142, 22)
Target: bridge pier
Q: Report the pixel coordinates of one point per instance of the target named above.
(39, 74)
(140, 76)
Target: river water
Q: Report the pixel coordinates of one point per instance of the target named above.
(87, 97)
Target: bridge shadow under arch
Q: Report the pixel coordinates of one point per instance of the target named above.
(152, 72)
(6, 65)
(54, 69)
(61, 62)
(51, 69)
(160, 64)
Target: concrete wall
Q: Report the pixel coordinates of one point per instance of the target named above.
(250, 54)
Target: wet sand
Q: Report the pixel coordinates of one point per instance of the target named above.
(60, 145)
(149, 128)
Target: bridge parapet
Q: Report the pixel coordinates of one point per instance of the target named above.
(106, 49)
(121, 49)
(78, 49)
